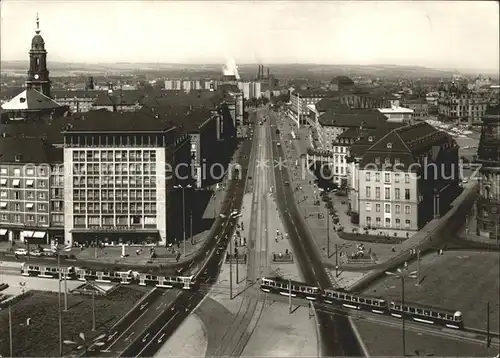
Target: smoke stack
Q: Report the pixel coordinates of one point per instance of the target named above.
(258, 73)
(268, 73)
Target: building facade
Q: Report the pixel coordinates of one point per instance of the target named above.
(488, 201)
(30, 172)
(77, 101)
(419, 106)
(461, 105)
(405, 179)
(121, 189)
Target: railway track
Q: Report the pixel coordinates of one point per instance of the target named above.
(245, 322)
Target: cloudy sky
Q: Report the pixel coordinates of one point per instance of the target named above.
(445, 34)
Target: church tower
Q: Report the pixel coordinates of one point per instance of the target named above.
(38, 75)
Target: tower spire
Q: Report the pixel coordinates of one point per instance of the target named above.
(37, 24)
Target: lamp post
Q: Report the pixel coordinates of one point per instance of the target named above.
(183, 212)
(58, 252)
(403, 275)
(234, 215)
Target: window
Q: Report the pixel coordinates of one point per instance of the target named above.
(30, 218)
(29, 206)
(397, 161)
(3, 194)
(3, 205)
(368, 206)
(42, 207)
(407, 194)
(41, 183)
(378, 221)
(377, 208)
(407, 224)
(17, 172)
(397, 209)
(17, 195)
(407, 209)
(377, 192)
(407, 178)
(377, 160)
(368, 220)
(17, 207)
(398, 223)
(17, 218)
(3, 181)
(29, 182)
(387, 208)
(16, 182)
(30, 171)
(41, 219)
(4, 217)
(387, 222)
(42, 196)
(389, 145)
(387, 193)
(368, 176)
(387, 177)
(3, 171)
(397, 194)
(368, 192)
(377, 177)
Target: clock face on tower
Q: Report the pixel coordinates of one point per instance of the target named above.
(36, 77)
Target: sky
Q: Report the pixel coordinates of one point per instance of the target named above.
(441, 34)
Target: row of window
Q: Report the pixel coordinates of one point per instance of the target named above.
(387, 193)
(111, 220)
(110, 194)
(387, 222)
(26, 219)
(17, 206)
(110, 181)
(107, 168)
(387, 208)
(114, 155)
(28, 195)
(112, 207)
(28, 183)
(387, 176)
(28, 171)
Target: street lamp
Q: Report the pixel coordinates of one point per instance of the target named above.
(403, 275)
(182, 187)
(58, 252)
(234, 215)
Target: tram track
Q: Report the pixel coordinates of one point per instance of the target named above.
(245, 322)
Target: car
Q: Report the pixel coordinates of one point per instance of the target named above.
(278, 144)
(21, 252)
(36, 253)
(287, 183)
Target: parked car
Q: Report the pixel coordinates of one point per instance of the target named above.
(36, 253)
(21, 252)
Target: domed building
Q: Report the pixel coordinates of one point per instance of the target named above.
(341, 83)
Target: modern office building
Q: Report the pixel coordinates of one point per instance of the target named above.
(488, 201)
(124, 167)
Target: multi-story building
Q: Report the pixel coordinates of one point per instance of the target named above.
(124, 170)
(119, 100)
(336, 129)
(405, 179)
(186, 85)
(250, 89)
(31, 202)
(420, 108)
(488, 202)
(77, 101)
(461, 104)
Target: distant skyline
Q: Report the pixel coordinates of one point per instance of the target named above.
(443, 34)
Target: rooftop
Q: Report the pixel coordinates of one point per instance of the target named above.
(28, 150)
(395, 109)
(77, 93)
(367, 118)
(30, 100)
(329, 103)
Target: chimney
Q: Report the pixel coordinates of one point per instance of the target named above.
(17, 158)
(268, 73)
(258, 73)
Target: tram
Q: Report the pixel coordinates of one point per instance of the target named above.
(412, 311)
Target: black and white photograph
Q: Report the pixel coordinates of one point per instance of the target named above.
(268, 178)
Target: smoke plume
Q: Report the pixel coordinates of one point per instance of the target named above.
(230, 68)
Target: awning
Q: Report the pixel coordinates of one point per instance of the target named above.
(30, 182)
(29, 205)
(3, 204)
(39, 234)
(28, 233)
(3, 181)
(3, 231)
(15, 182)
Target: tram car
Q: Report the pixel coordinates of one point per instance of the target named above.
(285, 287)
(427, 315)
(185, 283)
(47, 271)
(372, 304)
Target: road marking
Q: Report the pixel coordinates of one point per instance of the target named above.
(161, 338)
(128, 328)
(145, 338)
(128, 338)
(160, 305)
(112, 336)
(143, 306)
(156, 335)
